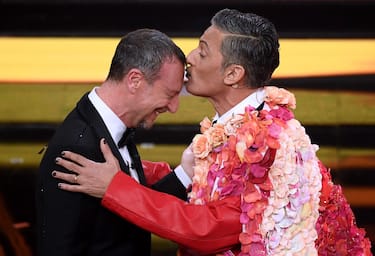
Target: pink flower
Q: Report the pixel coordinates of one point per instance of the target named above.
(282, 113)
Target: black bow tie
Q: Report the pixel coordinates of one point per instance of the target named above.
(260, 107)
(126, 137)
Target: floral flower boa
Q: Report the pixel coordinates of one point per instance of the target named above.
(338, 233)
(266, 158)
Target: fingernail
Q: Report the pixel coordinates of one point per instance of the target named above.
(53, 173)
(57, 159)
(59, 185)
(63, 153)
(104, 141)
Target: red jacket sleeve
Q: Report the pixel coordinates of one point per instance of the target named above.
(154, 171)
(206, 228)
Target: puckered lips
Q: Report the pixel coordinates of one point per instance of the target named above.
(187, 76)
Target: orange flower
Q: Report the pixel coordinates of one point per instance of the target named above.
(201, 146)
(217, 135)
(279, 96)
(205, 124)
(233, 124)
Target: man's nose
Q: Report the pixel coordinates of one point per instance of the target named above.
(173, 105)
(188, 59)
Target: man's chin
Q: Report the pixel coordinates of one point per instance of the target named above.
(189, 88)
(146, 125)
(193, 92)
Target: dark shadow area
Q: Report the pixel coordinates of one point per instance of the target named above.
(293, 19)
(18, 188)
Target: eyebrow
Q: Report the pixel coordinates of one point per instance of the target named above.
(203, 42)
(206, 47)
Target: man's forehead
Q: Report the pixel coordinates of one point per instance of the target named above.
(172, 74)
(211, 37)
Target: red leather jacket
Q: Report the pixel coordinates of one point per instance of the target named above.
(154, 171)
(204, 229)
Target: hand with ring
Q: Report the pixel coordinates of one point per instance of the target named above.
(76, 179)
(94, 177)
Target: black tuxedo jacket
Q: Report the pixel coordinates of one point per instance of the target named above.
(74, 223)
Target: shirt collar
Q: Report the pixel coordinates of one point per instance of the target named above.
(113, 123)
(254, 100)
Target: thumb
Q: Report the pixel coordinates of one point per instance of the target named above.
(108, 155)
(189, 149)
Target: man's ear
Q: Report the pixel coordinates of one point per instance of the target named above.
(233, 74)
(134, 78)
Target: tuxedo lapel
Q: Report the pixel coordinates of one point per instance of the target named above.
(88, 112)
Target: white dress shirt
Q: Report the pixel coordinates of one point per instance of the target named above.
(254, 100)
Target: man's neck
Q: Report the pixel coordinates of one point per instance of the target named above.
(224, 103)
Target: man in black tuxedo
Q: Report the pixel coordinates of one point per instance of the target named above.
(145, 79)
